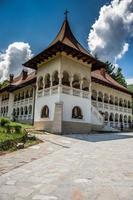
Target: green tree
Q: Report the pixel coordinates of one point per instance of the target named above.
(119, 77)
(116, 74)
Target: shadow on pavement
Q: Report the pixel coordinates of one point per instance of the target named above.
(100, 137)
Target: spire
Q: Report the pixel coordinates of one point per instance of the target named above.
(66, 36)
(66, 13)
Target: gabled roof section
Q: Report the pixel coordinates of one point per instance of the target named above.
(66, 36)
(65, 42)
(102, 77)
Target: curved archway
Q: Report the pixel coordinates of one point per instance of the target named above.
(111, 101)
(111, 117)
(30, 109)
(66, 78)
(100, 96)
(55, 78)
(116, 117)
(47, 81)
(45, 112)
(106, 98)
(76, 82)
(40, 83)
(77, 113)
(94, 95)
(85, 85)
(106, 116)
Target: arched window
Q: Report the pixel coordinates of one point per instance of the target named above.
(22, 95)
(22, 111)
(45, 112)
(77, 113)
(25, 110)
(40, 83)
(94, 95)
(100, 96)
(65, 79)
(85, 85)
(111, 101)
(17, 111)
(106, 98)
(120, 102)
(27, 94)
(30, 109)
(31, 93)
(129, 104)
(47, 81)
(76, 82)
(111, 118)
(116, 117)
(129, 119)
(125, 103)
(121, 118)
(125, 118)
(14, 112)
(18, 96)
(55, 78)
(116, 101)
(6, 109)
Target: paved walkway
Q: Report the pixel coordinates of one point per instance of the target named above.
(74, 167)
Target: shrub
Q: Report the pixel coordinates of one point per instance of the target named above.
(4, 121)
(13, 128)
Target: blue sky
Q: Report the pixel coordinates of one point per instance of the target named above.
(37, 22)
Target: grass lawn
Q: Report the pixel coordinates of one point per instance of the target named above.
(9, 140)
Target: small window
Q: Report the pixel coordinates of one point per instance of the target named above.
(45, 112)
(77, 113)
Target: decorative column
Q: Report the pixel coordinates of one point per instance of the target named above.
(81, 85)
(60, 83)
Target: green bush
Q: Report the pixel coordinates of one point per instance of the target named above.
(13, 128)
(4, 121)
(11, 143)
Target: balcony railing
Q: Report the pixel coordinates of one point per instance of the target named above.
(64, 90)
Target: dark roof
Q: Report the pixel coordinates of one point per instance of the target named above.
(104, 78)
(65, 42)
(19, 82)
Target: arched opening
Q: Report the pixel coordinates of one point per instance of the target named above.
(125, 119)
(21, 111)
(111, 118)
(77, 113)
(76, 82)
(106, 116)
(25, 110)
(14, 112)
(22, 95)
(129, 104)
(19, 96)
(47, 81)
(94, 95)
(125, 103)
(85, 85)
(17, 111)
(31, 93)
(65, 79)
(55, 78)
(121, 118)
(106, 98)
(116, 117)
(40, 83)
(121, 102)
(100, 96)
(45, 112)
(6, 109)
(116, 101)
(30, 109)
(111, 101)
(27, 94)
(129, 119)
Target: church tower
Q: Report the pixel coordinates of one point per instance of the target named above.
(63, 87)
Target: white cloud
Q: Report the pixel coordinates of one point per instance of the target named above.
(12, 59)
(129, 81)
(109, 36)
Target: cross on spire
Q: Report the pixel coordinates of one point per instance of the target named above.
(66, 13)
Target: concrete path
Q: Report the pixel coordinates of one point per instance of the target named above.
(73, 167)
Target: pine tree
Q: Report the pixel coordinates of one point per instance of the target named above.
(118, 75)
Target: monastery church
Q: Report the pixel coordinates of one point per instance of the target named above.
(69, 91)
